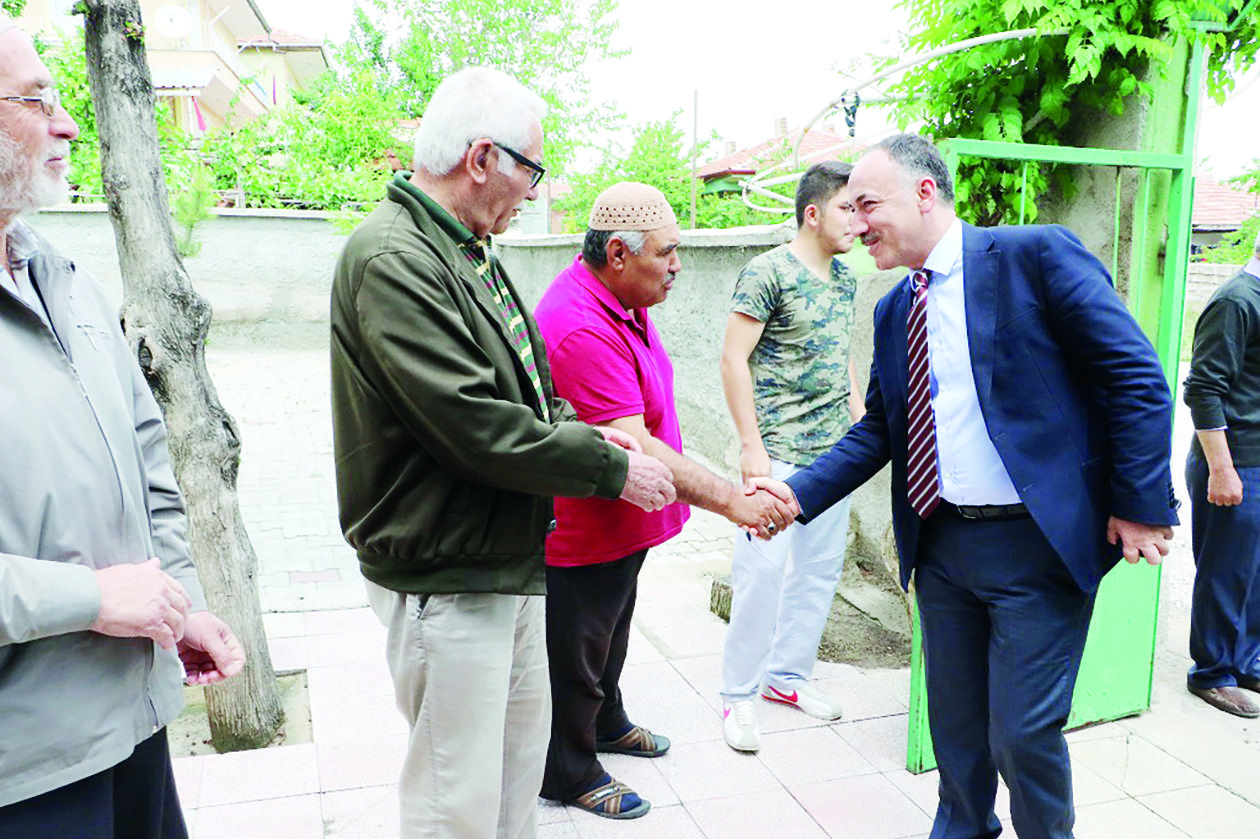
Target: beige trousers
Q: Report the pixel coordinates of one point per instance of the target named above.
(470, 676)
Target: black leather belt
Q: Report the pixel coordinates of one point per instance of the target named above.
(988, 512)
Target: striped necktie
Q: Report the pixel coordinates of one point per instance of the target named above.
(921, 481)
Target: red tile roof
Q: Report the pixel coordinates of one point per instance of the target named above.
(281, 38)
(817, 145)
(1221, 207)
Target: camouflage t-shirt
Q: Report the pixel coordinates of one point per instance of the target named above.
(800, 367)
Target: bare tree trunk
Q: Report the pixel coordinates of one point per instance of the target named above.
(166, 322)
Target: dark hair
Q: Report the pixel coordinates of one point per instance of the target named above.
(819, 184)
(595, 245)
(917, 157)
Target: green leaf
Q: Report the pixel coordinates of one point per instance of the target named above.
(991, 127)
(1012, 123)
(1085, 63)
(1164, 10)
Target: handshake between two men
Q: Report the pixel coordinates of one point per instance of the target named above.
(659, 476)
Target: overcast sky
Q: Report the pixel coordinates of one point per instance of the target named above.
(752, 62)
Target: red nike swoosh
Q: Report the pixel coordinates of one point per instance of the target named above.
(784, 697)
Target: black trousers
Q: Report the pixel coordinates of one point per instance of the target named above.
(589, 608)
(135, 799)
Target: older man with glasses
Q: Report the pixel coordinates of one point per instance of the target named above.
(450, 445)
(97, 590)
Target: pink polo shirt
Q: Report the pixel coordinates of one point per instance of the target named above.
(608, 363)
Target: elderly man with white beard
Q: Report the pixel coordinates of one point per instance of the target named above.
(101, 612)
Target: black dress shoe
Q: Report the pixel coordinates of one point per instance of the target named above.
(1249, 683)
(1229, 699)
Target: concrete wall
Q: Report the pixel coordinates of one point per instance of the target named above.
(255, 266)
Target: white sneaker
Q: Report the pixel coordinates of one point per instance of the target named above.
(739, 724)
(805, 698)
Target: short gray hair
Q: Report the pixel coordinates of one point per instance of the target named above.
(595, 246)
(1257, 250)
(7, 23)
(473, 103)
(916, 156)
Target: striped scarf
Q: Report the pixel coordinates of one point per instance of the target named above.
(488, 269)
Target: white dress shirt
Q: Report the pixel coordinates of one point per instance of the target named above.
(971, 472)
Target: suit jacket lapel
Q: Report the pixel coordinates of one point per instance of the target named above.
(899, 339)
(982, 282)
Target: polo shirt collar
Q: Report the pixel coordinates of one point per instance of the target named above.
(600, 292)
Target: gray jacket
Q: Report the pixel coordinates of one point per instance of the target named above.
(85, 483)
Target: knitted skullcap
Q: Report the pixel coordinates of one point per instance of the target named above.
(631, 206)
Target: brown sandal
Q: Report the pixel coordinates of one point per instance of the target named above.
(608, 799)
(638, 742)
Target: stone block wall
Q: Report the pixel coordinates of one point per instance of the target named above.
(1204, 278)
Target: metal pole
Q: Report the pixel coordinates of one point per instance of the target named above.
(695, 143)
(1181, 198)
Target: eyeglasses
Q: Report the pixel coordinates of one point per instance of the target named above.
(538, 171)
(49, 98)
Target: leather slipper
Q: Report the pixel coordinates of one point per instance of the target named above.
(637, 742)
(1229, 699)
(612, 800)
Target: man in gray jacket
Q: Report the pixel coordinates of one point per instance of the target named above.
(97, 592)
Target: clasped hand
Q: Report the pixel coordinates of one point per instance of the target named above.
(766, 508)
(141, 600)
(1137, 540)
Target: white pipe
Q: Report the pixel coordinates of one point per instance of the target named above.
(753, 183)
(959, 46)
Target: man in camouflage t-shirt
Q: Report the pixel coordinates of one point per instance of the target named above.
(791, 390)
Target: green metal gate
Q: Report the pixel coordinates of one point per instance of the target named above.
(1115, 678)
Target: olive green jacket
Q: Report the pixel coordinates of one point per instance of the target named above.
(445, 468)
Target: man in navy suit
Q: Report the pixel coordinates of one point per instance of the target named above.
(1051, 422)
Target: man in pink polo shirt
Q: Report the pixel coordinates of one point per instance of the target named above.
(607, 360)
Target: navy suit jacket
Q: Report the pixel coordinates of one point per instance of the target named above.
(1072, 393)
